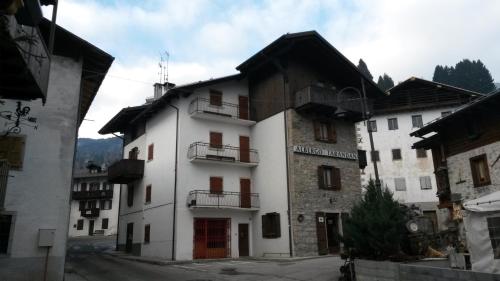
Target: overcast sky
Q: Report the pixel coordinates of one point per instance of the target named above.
(210, 38)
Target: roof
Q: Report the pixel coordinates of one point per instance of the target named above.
(324, 54)
(485, 102)
(96, 62)
(122, 119)
(417, 93)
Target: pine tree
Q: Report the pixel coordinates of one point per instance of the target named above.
(385, 82)
(376, 228)
(363, 68)
(467, 74)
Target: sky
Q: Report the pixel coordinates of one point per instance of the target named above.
(207, 39)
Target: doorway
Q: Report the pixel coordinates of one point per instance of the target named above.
(244, 149)
(243, 243)
(91, 227)
(328, 233)
(212, 238)
(130, 237)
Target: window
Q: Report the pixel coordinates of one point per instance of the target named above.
(329, 178)
(372, 125)
(148, 194)
(494, 230)
(416, 121)
(480, 171)
(105, 223)
(445, 113)
(130, 195)
(94, 186)
(400, 184)
(106, 204)
(216, 185)
(421, 153)
(325, 131)
(215, 97)
(215, 140)
(5, 224)
(425, 182)
(147, 233)
(375, 155)
(271, 227)
(392, 123)
(396, 154)
(81, 205)
(151, 148)
(84, 186)
(12, 149)
(79, 225)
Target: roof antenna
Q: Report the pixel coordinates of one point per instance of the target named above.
(163, 73)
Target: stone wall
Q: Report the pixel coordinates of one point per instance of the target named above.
(306, 197)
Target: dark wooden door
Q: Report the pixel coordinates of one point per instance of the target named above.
(332, 233)
(243, 245)
(243, 107)
(245, 198)
(321, 233)
(130, 237)
(244, 149)
(91, 227)
(211, 238)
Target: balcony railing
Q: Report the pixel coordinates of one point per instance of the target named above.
(126, 171)
(94, 194)
(223, 154)
(89, 212)
(226, 112)
(24, 64)
(226, 199)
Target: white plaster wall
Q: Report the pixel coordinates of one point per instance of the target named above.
(460, 174)
(269, 180)
(410, 167)
(38, 195)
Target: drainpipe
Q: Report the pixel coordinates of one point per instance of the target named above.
(175, 178)
(120, 197)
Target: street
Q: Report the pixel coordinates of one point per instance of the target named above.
(87, 260)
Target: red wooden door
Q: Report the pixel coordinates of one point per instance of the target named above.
(244, 149)
(245, 198)
(243, 107)
(211, 238)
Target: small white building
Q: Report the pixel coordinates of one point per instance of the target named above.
(94, 204)
(261, 163)
(409, 173)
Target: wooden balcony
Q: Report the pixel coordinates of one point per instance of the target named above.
(226, 112)
(126, 171)
(24, 62)
(94, 194)
(89, 213)
(225, 154)
(223, 200)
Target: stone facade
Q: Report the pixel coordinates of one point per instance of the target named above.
(306, 197)
(460, 175)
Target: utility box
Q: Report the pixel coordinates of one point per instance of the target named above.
(46, 237)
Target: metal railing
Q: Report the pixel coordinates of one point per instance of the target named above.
(89, 212)
(231, 110)
(92, 194)
(225, 199)
(224, 153)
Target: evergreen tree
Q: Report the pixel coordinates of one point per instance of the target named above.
(470, 75)
(385, 82)
(376, 228)
(363, 68)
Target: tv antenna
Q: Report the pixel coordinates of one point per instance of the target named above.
(163, 64)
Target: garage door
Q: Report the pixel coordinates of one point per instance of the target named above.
(212, 238)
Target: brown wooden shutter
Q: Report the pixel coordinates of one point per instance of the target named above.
(151, 148)
(215, 97)
(321, 179)
(216, 185)
(336, 182)
(317, 130)
(332, 133)
(243, 107)
(147, 232)
(215, 140)
(321, 233)
(148, 193)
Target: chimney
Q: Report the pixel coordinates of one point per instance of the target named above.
(158, 90)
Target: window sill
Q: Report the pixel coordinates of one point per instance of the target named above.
(482, 184)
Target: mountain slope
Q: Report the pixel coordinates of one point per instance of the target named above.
(99, 151)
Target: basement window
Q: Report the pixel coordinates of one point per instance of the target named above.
(271, 225)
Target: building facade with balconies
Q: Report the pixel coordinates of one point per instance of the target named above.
(252, 164)
(94, 204)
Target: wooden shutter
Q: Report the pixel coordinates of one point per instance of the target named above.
(215, 98)
(245, 195)
(336, 182)
(332, 133)
(151, 148)
(244, 149)
(243, 107)
(321, 179)
(148, 193)
(321, 233)
(216, 185)
(215, 140)
(147, 232)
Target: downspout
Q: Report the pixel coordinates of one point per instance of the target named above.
(120, 198)
(175, 178)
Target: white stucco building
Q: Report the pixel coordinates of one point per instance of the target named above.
(36, 165)
(407, 172)
(260, 163)
(94, 204)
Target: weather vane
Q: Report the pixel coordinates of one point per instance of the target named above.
(18, 118)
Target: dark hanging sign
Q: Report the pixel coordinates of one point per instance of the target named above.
(325, 152)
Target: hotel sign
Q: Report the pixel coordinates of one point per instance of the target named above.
(325, 152)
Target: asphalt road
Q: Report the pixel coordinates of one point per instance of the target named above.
(87, 261)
